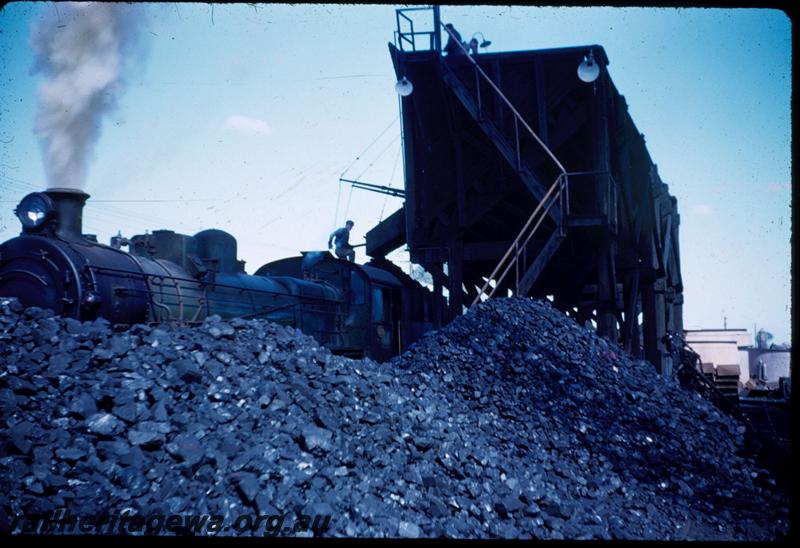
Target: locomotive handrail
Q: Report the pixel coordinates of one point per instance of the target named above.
(215, 284)
(216, 300)
(263, 310)
(225, 301)
(201, 300)
(162, 306)
(159, 280)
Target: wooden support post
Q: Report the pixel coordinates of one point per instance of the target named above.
(433, 264)
(407, 311)
(437, 33)
(583, 315)
(409, 169)
(606, 293)
(630, 337)
(661, 325)
(472, 281)
(655, 325)
(606, 284)
(437, 302)
(678, 312)
(539, 263)
(461, 191)
(455, 275)
(600, 141)
(541, 100)
(669, 326)
(650, 325)
(636, 334)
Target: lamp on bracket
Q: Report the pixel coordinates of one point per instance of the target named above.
(485, 43)
(589, 70)
(404, 87)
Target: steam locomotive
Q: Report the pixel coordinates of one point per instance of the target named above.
(373, 310)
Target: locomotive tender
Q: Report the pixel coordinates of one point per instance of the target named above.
(372, 310)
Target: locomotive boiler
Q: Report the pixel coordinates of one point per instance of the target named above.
(374, 310)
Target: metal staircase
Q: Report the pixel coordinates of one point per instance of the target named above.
(525, 263)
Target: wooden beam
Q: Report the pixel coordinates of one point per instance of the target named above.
(584, 314)
(439, 281)
(586, 220)
(540, 262)
(568, 124)
(455, 272)
(472, 281)
(388, 235)
(667, 248)
(456, 130)
(584, 272)
(485, 251)
(482, 148)
(498, 105)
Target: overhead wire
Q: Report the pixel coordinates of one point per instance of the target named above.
(391, 179)
(381, 153)
(109, 216)
(375, 140)
(357, 158)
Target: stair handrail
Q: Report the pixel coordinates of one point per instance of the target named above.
(518, 245)
(514, 111)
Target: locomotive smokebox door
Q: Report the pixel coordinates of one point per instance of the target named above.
(38, 273)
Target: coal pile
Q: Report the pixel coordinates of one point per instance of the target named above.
(511, 422)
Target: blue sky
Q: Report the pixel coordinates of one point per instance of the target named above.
(253, 112)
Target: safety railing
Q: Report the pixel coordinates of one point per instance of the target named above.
(602, 200)
(406, 40)
(517, 253)
(518, 250)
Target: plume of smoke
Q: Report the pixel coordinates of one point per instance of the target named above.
(81, 49)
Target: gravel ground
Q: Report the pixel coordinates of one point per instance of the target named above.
(512, 422)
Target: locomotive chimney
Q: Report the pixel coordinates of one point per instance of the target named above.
(69, 204)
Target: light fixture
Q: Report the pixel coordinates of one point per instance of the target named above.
(34, 209)
(403, 87)
(485, 43)
(589, 70)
